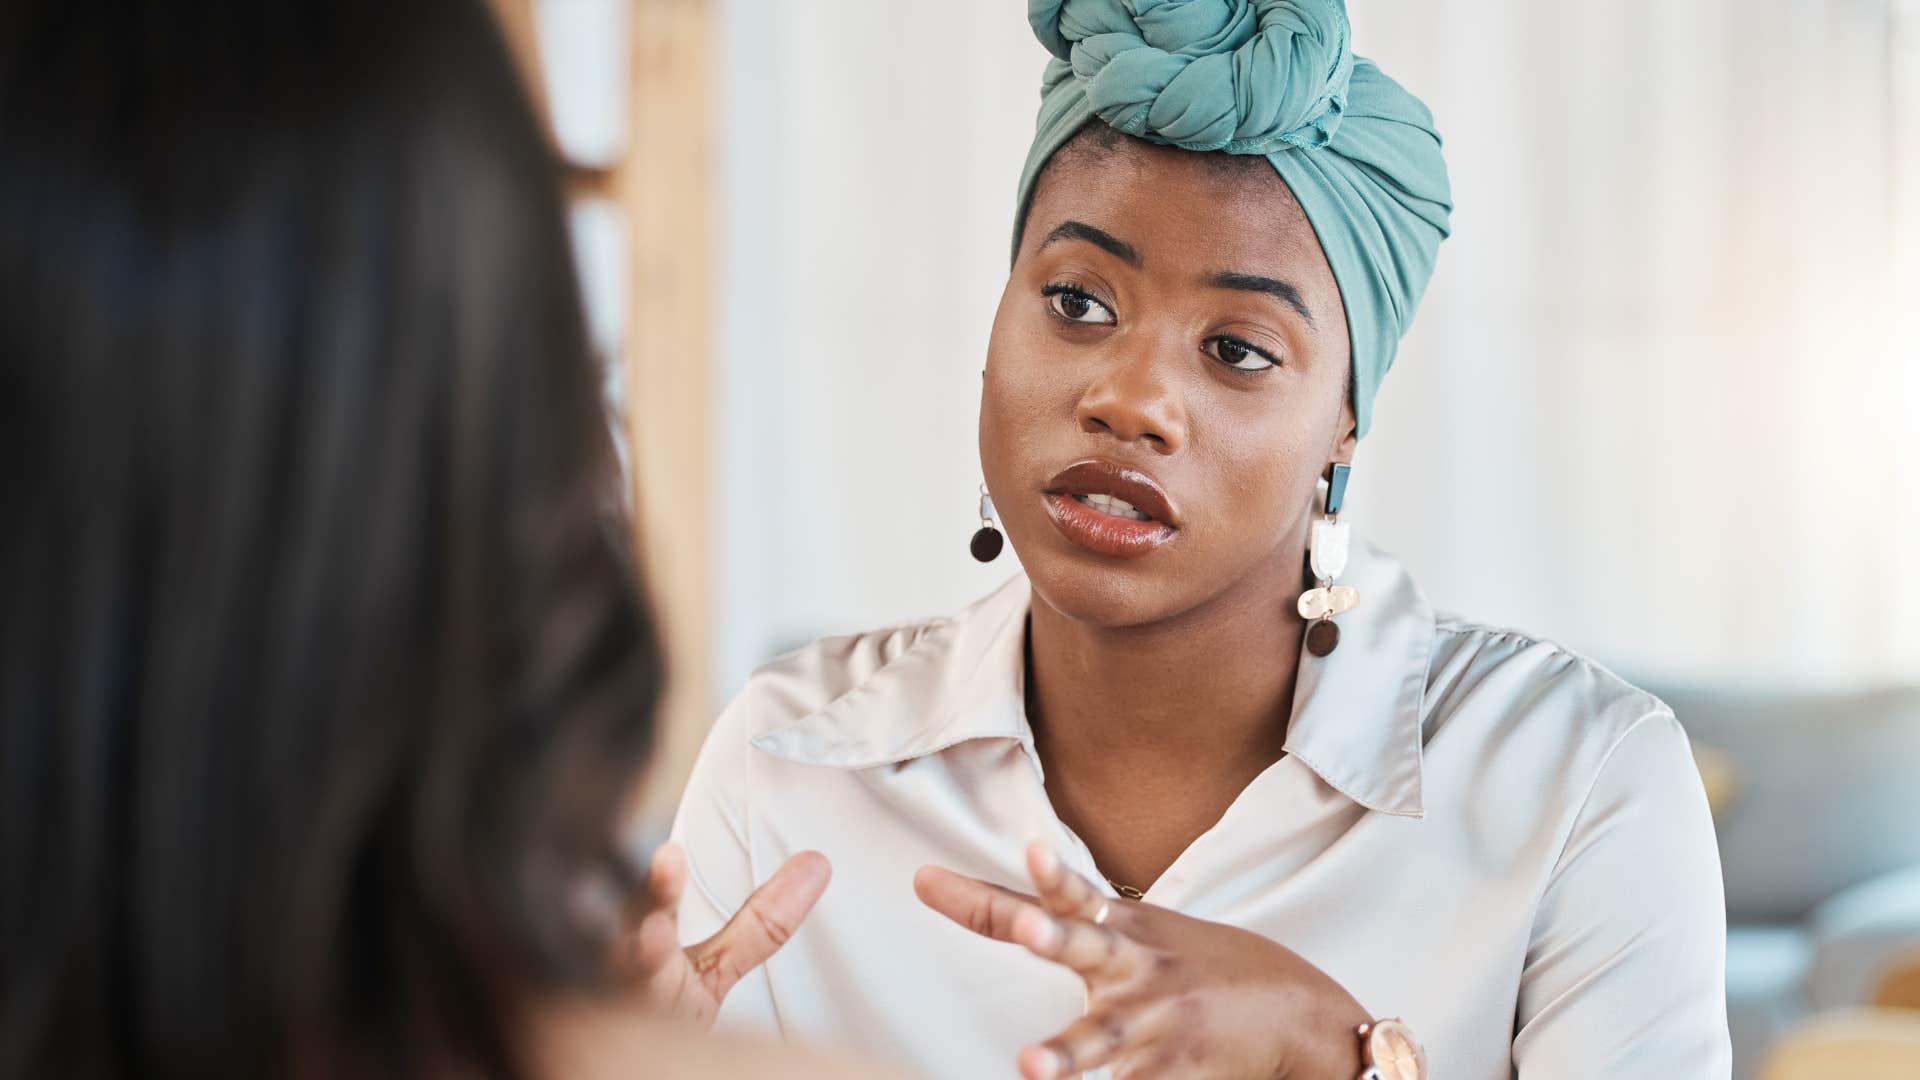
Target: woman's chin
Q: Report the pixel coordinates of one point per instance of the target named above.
(1107, 593)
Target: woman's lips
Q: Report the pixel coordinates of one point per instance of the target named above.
(1117, 534)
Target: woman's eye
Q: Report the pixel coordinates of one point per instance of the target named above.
(1076, 306)
(1239, 355)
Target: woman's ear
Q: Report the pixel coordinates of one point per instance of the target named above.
(1346, 436)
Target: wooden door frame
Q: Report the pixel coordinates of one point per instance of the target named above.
(662, 186)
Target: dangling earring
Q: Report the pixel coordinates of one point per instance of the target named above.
(987, 540)
(1327, 549)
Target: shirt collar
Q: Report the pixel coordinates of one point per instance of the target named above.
(1356, 719)
(1357, 712)
(962, 678)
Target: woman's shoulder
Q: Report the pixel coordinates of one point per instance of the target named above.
(1506, 682)
(902, 658)
(807, 679)
(1550, 736)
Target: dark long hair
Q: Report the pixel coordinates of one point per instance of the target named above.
(324, 672)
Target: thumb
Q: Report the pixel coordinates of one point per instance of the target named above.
(763, 924)
(656, 940)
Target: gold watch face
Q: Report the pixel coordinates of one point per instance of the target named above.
(1394, 1054)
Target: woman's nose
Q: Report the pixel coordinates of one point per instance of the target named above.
(1135, 399)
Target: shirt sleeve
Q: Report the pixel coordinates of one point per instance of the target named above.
(1626, 971)
(711, 826)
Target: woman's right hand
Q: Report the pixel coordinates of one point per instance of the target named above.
(690, 983)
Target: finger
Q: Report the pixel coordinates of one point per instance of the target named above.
(1096, 952)
(667, 876)
(1159, 1063)
(1062, 891)
(1005, 915)
(987, 910)
(657, 941)
(670, 982)
(1094, 1041)
(764, 923)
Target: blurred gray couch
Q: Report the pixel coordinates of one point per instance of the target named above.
(1820, 845)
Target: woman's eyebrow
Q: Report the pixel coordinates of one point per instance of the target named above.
(1273, 287)
(1100, 238)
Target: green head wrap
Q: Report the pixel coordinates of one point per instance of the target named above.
(1276, 78)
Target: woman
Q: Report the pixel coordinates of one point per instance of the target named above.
(1287, 820)
(324, 676)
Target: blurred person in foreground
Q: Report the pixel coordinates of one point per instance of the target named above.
(325, 678)
(1252, 805)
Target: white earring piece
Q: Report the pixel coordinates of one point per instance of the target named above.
(1327, 547)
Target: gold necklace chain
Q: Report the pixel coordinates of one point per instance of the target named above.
(1127, 892)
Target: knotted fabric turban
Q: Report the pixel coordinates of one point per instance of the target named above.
(1275, 78)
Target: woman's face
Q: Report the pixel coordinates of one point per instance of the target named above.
(1171, 337)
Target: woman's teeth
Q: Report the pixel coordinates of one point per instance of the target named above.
(1107, 504)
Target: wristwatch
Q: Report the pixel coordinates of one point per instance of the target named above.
(1390, 1052)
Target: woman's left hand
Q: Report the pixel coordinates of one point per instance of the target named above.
(1167, 995)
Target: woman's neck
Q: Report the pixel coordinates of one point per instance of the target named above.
(1148, 733)
(1206, 684)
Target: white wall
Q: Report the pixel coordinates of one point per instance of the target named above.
(1655, 404)
(1652, 403)
(869, 159)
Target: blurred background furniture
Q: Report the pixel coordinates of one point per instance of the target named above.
(1819, 826)
(1868, 1044)
(1899, 983)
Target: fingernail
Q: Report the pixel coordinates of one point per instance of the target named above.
(1049, 1063)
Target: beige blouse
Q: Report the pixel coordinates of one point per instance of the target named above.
(1477, 831)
